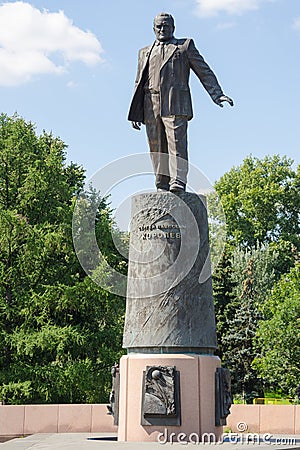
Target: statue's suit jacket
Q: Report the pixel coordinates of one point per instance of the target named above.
(180, 56)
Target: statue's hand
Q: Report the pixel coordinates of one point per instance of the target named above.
(224, 98)
(136, 125)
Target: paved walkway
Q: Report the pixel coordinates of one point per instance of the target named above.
(95, 441)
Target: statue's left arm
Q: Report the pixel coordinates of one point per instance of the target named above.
(206, 75)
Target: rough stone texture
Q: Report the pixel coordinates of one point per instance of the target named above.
(169, 293)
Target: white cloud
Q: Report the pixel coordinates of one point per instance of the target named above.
(296, 24)
(33, 41)
(213, 7)
(72, 84)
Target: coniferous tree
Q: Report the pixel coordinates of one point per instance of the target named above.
(261, 201)
(252, 277)
(223, 292)
(239, 340)
(59, 331)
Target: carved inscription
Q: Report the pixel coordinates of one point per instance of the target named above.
(160, 231)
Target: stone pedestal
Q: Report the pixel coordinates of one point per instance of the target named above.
(167, 380)
(169, 305)
(197, 393)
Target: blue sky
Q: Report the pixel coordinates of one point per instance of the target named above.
(73, 72)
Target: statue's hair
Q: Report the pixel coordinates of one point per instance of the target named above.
(166, 16)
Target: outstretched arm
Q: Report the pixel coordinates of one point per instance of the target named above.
(206, 75)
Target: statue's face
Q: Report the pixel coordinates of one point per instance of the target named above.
(163, 29)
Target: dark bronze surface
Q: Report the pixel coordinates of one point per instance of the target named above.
(223, 395)
(113, 408)
(160, 396)
(162, 98)
(169, 291)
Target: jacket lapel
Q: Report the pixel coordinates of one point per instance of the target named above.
(169, 50)
(145, 59)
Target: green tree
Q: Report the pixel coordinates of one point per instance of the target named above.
(251, 277)
(278, 336)
(261, 201)
(238, 342)
(60, 332)
(223, 292)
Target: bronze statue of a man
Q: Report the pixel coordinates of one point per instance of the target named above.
(162, 100)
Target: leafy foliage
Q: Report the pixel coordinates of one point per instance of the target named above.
(261, 200)
(239, 352)
(253, 276)
(247, 276)
(60, 332)
(278, 336)
(223, 291)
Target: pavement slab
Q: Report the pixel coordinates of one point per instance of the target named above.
(103, 441)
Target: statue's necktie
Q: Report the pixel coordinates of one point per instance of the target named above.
(162, 50)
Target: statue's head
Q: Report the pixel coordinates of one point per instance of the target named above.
(163, 27)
